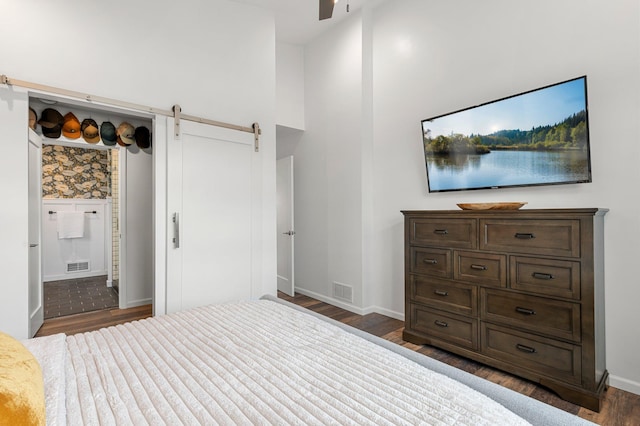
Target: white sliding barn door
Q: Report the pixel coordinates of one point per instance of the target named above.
(211, 195)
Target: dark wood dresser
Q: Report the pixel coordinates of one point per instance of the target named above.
(520, 290)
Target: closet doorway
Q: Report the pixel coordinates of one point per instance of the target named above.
(109, 263)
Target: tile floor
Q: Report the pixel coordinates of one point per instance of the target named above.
(74, 296)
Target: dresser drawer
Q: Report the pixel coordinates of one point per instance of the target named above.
(555, 359)
(445, 295)
(482, 268)
(553, 237)
(555, 318)
(457, 233)
(451, 328)
(430, 261)
(559, 278)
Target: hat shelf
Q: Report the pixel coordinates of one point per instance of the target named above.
(87, 121)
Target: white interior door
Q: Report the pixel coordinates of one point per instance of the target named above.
(286, 233)
(211, 203)
(36, 308)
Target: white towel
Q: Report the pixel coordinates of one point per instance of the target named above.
(70, 224)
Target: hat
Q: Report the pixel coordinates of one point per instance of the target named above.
(108, 133)
(71, 126)
(143, 137)
(126, 134)
(51, 123)
(90, 131)
(33, 118)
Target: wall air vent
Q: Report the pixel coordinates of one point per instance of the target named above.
(80, 266)
(343, 292)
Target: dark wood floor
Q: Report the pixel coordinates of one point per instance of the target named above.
(80, 323)
(620, 408)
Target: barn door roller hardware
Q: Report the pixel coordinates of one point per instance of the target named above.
(176, 111)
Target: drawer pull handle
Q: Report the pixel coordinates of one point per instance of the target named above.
(440, 231)
(525, 311)
(441, 292)
(479, 267)
(430, 261)
(441, 323)
(524, 236)
(541, 276)
(527, 349)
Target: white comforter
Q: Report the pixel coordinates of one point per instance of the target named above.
(256, 363)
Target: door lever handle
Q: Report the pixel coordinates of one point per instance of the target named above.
(290, 233)
(33, 245)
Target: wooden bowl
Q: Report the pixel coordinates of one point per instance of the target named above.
(491, 206)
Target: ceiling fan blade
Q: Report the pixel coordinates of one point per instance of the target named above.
(326, 9)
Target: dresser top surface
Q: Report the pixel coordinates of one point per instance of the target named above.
(520, 212)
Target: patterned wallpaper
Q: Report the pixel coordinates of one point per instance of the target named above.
(75, 172)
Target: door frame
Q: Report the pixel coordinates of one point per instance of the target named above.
(159, 187)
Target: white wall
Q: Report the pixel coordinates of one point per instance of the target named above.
(430, 58)
(290, 86)
(289, 98)
(92, 247)
(327, 169)
(14, 241)
(215, 58)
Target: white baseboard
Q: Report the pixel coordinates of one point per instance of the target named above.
(349, 307)
(139, 302)
(386, 312)
(340, 304)
(624, 384)
(73, 276)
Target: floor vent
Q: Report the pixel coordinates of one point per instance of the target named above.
(343, 292)
(77, 266)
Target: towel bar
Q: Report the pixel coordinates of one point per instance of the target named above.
(90, 212)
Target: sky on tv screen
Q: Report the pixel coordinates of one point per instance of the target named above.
(542, 107)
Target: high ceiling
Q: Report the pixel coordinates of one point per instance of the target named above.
(297, 20)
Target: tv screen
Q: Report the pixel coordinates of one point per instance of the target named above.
(538, 137)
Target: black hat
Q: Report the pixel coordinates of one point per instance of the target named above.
(90, 131)
(108, 133)
(51, 123)
(143, 137)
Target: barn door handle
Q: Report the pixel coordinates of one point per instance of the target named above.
(176, 231)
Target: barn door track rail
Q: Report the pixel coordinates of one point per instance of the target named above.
(175, 112)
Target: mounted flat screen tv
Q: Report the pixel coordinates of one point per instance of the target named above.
(539, 137)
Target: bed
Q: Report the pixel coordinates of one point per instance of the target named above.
(263, 362)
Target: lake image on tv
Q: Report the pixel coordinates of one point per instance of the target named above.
(507, 168)
(539, 137)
